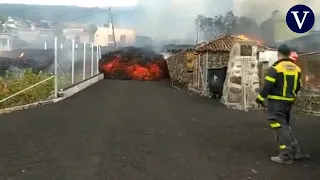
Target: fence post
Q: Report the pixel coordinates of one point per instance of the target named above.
(100, 52)
(55, 67)
(92, 60)
(84, 62)
(45, 46)
(72, 63)
(206, 71)
(97, 57)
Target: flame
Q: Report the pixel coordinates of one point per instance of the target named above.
(135, 70)
(243, 37)
(21, 55)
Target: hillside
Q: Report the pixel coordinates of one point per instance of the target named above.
(63, 13)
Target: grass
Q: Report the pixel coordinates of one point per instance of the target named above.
(11, 84)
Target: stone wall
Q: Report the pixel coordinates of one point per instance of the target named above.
(217, 60)
(180, 67)
(308, 102)
(241, 86)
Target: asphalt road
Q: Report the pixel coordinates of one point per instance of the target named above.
(118, 130)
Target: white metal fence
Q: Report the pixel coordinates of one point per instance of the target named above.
(75, 62)
(31, 75)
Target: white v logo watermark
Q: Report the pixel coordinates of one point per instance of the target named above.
(300, 23)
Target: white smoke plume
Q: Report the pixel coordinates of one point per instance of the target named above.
(174, 19)
(262, 9)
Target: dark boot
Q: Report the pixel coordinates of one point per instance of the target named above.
(299, 156)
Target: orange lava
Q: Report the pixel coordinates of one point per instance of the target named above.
(133, 69)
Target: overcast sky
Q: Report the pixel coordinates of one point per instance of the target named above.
(85, 3)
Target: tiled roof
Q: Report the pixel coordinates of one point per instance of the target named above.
(223, 43)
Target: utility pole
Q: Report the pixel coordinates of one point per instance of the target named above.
(197, 37)
(112, 28)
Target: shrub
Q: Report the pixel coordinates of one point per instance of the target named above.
(11, 84)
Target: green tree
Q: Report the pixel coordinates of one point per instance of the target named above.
(215, 26)
(247, 26)
(227, 24)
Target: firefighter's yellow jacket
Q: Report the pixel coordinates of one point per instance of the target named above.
(283, 81)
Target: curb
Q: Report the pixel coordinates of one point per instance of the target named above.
(27, 106)
(81, 86)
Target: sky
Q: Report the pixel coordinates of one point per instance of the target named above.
(91, 3)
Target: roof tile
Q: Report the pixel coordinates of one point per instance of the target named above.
(223, 43)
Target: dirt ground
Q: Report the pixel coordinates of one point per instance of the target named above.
(118, 130)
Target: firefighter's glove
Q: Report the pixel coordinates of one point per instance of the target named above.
(259, 102)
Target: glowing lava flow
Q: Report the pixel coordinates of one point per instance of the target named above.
(134, 70)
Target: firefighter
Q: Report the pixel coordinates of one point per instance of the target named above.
(282, 84)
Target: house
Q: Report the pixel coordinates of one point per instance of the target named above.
(123, 37)
(194, 67)
(79, 35)
(12, 23)
(73, 25)
(213, 57)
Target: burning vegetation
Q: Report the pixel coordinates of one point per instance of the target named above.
(134, 64)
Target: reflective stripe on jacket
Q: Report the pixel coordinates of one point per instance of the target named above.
(283, 81)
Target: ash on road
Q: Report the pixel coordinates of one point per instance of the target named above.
(118, 130)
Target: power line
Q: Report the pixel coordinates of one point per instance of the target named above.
(112, 26)
(81, 17)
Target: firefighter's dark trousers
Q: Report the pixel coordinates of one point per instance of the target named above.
(279, 119)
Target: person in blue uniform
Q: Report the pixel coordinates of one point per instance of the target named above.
(282, 84)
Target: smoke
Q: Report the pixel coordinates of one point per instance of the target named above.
(174, 19)
(262, 9)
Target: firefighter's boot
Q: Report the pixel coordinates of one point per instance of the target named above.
(278, 159)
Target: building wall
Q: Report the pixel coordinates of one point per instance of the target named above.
(104, 37)
(82, 38)
(181, 66)
(200, 77)
(77, 35)
(28, 36)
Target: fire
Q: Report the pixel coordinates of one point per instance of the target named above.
(132, 69)
(243, 37)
